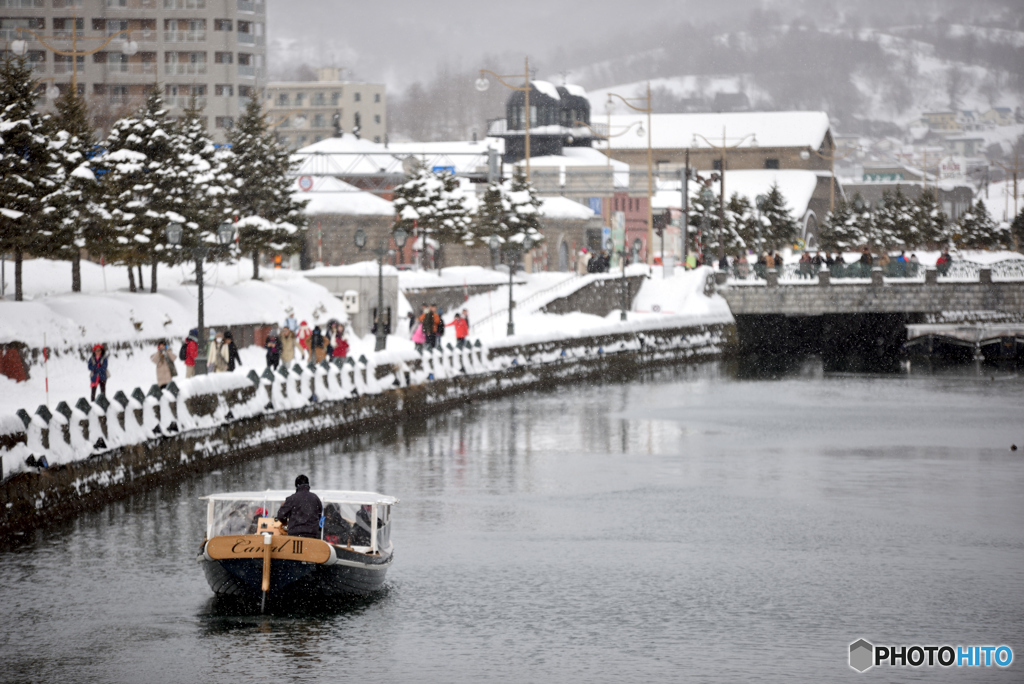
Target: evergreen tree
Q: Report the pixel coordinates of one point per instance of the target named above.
(433, 204)
(29, 170)
(894, 221)
(742, 230)
(864, 220)
(271, 219)
(85, 222)
(705, 220)
(930, 220)
(142, 185)
(781, 227)
(1017, 231)
(511, 212)
(204, 188)
(977, 230)
(839, 231)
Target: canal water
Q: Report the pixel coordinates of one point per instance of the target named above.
(699, 523)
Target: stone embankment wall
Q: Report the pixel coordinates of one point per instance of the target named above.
(598, 298)
(213, 420)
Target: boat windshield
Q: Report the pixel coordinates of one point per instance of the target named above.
(238, 516)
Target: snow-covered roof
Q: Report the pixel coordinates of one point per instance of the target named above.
(332, 196)
(564, 208)
(547, 88)
(797, 187)
(679, 131)
(328, 495)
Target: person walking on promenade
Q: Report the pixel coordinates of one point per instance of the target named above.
(98, 370)
(189, 352)
(291, 323)
(302, 337)
(218, 354)
(317, 345)
(338, 343)
(234, 360)
(287, 346)
(461, 330)
(429, 320)
(273, 347)
(418, 338)
(164, 360)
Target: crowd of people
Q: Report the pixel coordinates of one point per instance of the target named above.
(899, 266)
(428, 328)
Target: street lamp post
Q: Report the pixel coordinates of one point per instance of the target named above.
(400, 236)
(760, 201)
(225, 235)
(624, 287)
(483, 84)
(650, 167)
(723, 148)
(707, 197)
(513, 251)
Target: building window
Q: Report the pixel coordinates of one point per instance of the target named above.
(358, 97)
(318, 100)
(244, 91)
(62, 27)
(376, 118)
(284, 140)
(300, 141)
(225, 90)
(282, 99)
(376, 138)
(318, 138)
(771, 163)
(318, 121)
(335, 99)
(376, 97)
(224, 122)
(222, 25)
(300, 99)
(223, 57)
(716, 165)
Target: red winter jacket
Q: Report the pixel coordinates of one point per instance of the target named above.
(461, 328)
(191, 352)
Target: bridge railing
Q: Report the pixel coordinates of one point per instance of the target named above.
(796, 274)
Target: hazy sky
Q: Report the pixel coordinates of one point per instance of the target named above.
(398, 42)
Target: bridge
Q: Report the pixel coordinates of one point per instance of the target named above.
(848, 320)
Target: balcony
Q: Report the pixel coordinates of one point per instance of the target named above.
(170, 68)
(59, 4)
(246, 6)
(130, 4)
(134, 68)
(21, 4)
(185, 101)
(246, 70)
(184, 4)
(184, 36)
(247, 38)
(67, 67)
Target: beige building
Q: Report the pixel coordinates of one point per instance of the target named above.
(213, 49)
(305, 112)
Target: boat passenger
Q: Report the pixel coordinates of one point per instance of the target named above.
(301, 512)
(260, 513)
(236, 522)
(361, 531)
(337, 530)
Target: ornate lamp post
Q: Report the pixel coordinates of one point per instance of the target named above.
(513, 250)
(650, 173)
(400, 237)
(483, 84)
(20, 47)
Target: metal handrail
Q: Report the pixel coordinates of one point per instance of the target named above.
(525, 302)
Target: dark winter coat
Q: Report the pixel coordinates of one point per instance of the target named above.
(234, 359)
(301, 513)
(98, 369)
(273, 347)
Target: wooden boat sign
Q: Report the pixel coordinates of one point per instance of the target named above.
(282, 547)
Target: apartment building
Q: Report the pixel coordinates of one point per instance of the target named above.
(214, 50)
(305, 112)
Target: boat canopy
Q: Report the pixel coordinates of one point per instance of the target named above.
(326, 495)
(360, 520)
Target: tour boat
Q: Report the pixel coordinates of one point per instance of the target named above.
(247, 554)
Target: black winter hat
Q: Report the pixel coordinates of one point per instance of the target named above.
(301, 480)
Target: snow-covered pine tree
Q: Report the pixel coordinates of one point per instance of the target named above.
(930, 220)
(141, 184)
(79, 200)
(780, 224)
(741, 226)
(510, 211)
(1017, 231)
(433, 205)
(894, 221)
(839, 231)
(704, 219)
(270, 216)
(29, 170)
(864, 220)
(977, 230)
(205, 187)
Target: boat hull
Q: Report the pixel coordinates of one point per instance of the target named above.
(349, 573)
